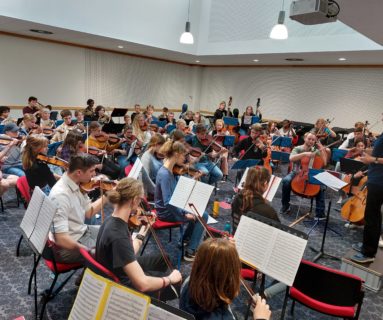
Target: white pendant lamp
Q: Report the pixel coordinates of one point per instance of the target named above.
(279, 31)
(187, 37)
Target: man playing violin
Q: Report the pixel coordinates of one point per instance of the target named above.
(308, 149)
(73, 206)
(62, 129)
(12, 163)
(252, 146)
(350, 143)
(211, 171)
(32, 106)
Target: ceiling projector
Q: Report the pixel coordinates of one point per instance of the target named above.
(311, 12)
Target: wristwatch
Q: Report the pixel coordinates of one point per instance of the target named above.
(140, 237)
(376, 160)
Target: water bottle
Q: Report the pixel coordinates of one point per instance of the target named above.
(216, 208)
(227, 227)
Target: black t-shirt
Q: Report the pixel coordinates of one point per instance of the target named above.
(114, 247)
(40, 175)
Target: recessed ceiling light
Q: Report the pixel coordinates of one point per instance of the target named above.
(197, 61)
(294, 59)
(120, 47)
(255, 60)
(342, 59)
(41, 31)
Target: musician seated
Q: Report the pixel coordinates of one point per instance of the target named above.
(63, 129)
(164, 115)
(88, 111)
(73, 206)
(117, 252)
(28, 125)
(45, 121)
(80, 122)
(297, 154)
(72, 145)
(149, 117)
(166, 181)
(322, 130)
(197, 119)
(357, 124)
(188, 117)
(219, 134)
(246, 121)
(36, 171)
(32, 106)
(4, 114)
(12, 163)
(140, 129)
(216, 271)
(221, 111)
(252, 147)
(350, 143)
(211, 171)
(250, 199)
(101, 116)
(170, 119)
(287, 129)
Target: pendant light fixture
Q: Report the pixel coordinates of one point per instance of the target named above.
(187, 37)
(279, 31)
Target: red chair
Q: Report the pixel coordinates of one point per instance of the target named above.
(128, 169)
(96, 267)
(57, 269)
(23, 188)
(326, 290)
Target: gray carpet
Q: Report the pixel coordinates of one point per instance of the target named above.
(14, 271)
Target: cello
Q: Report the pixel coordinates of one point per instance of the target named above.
(353, 209)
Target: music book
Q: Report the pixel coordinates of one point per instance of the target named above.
(136, 169)
(271, 189)
(118, 112)
(37, 220)
(330, 180)
(191, 191)
(101, 298)
(270, 249)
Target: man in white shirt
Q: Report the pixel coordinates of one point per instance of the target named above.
(70, 231)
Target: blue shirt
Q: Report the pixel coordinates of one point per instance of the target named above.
(166, 183)
(375, 171)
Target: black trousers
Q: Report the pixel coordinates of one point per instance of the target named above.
(373, 220)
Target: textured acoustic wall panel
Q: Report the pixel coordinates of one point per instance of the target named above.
(303, 94)
(247, 20)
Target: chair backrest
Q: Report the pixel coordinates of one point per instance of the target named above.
(128, 168)
(24, 189)
(328, 285)
(96, 267)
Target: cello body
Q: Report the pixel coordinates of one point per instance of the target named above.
(300, 183)
(353, 209)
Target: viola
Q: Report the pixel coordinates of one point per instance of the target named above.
(53, 160)
(300, 183)
(93, 184)
(95, 151)
(353, 209)
(181, 170)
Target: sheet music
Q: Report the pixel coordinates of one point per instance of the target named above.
(88, 298)
(330, 180)
(272, 188)
(182, 192)
(44, 220)
(243, 179)
(30, 216)
(124, 303)
(211, 220)
(131, 149)
(271, 250)
(156, 313)
(136, 169)
(199, 197)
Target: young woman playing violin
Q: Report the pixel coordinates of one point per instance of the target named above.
(166, 181)
(101, 116)
(214, 283)
(37, 171)
(116, 251)
(140, 129)
(28, 125)
(151, 163)
(322, 130)
(246, 121)
(72, 145)
(219, 134)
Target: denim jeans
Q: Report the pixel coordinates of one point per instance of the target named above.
(16, 170)
(212, 172)
(286, 191)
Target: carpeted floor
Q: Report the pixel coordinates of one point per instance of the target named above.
(14, 271)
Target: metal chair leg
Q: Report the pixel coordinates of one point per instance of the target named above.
(18, 246)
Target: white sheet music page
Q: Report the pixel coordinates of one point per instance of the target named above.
(124, 303)
(182, 192)
(30, 216)
(136, 169)
(272, 188)
(330, 180)
(200, 196)
(88, 298)
(44, 220)
(156, 313)
(243, 179)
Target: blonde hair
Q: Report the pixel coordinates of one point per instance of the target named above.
(32, 148)
(29, 117)
(155, 140)
(126, 190)
(136, 127)
(172, 147)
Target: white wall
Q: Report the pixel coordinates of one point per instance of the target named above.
(67, 76)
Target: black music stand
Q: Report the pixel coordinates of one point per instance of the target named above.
(280, 141)
(229, 121)
(242, 165)
(321, 253)
(118, 112)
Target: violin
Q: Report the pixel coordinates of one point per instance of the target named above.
(113, 139)
(93, 184)
(140, 218)
(102, 137)
(181, 170)
(4, 140)
(194, 152)
(144, 127)
(48, 131)
(95, 151)
(209, 141)
(53, 160)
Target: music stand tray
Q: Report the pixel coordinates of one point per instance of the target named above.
(229, 121)
(283, 157)
(338, 154)
(243, 164)
(350, 165)
(280, 141)
(112, 127)
(228, 141)
(119, 112)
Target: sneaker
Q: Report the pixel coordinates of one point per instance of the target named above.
(381, 242)
(320, 216)
(358, 246)
(189, 256)
(285, 209)
(361, 258)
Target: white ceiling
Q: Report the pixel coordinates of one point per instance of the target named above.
(317, 45)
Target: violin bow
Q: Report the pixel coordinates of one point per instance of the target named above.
(248, 289)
